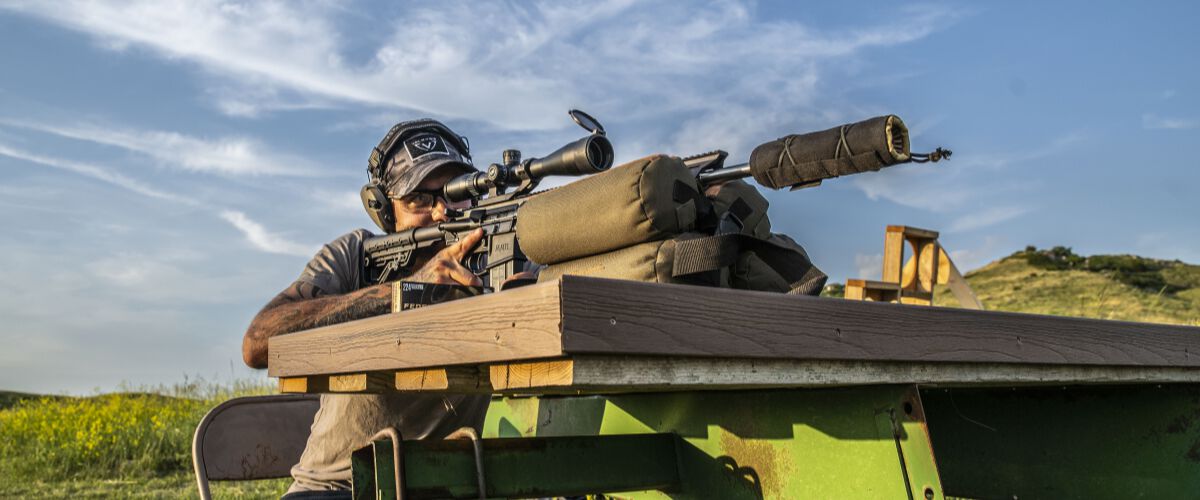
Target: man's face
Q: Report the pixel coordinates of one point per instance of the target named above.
(406, 219)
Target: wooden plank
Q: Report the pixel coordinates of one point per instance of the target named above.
(556, 372)
(872, 284)
(414, 379)
(917, 298)
(589, 374)
(893, 256)
(302, 385)
(463, 379)
(628, 318)
(456, 379)
(522, 323)
(614, 374)
(374, 382)
(517, 375)
(913, 232)
(872, 290)
(854, 291)
(498, 374)
(611, 317)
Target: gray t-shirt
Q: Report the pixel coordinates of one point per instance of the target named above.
(346, 421)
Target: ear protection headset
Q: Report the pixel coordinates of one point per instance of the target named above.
(374, 194)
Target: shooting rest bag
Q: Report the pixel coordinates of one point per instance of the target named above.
(651, 199)
(652, 261)
(744, 255)
(799, 160)
(742, 202)
(776, 264)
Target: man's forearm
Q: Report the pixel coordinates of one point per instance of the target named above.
(302, 308)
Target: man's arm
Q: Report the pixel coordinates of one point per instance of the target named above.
(303, 306)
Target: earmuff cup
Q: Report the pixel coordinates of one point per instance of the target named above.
(378, 206)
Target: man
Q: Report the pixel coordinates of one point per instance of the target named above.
(409, 169)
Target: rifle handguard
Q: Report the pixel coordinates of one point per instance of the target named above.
(853, 148)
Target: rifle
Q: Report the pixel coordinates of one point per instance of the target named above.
(493, 208)
(794, 161)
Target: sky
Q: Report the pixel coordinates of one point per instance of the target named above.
(166, 167)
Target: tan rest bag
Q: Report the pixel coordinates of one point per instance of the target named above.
(650, 199)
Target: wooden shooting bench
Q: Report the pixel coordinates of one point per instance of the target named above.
(690, 392)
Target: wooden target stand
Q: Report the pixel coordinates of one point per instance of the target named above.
(912, 281)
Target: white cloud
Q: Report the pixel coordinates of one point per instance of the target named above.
(292, 45)
(264, 240)
(1152, 121)
(969, 259)
(987, 217)
(252, 100)
(948, 186)
(224, 156)
(97, 172)
(516, 66)
(163, 278)
(870, 267)
(255, 233)
(934, 187)
(339, 201)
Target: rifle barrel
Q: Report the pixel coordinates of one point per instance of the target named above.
(739, 171)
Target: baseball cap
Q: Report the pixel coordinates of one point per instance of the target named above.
(413, 150)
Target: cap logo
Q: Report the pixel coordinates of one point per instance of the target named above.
(425, 144)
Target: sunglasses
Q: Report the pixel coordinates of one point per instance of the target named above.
(421, 201)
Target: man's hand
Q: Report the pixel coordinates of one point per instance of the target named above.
(446, 267)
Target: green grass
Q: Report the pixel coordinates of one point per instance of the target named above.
(10, 398)
(132, 444)
(1015, 284)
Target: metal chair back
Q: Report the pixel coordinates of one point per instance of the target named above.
(259, 437)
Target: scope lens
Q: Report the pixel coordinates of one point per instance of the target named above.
(599, 153)
(595, 154)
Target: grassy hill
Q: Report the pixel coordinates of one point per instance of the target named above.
(9, 399)
(133, 444)
(1058, 282)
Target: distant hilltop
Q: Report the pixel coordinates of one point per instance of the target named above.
(1059, 282)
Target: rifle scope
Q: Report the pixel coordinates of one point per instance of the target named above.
(589, 155)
